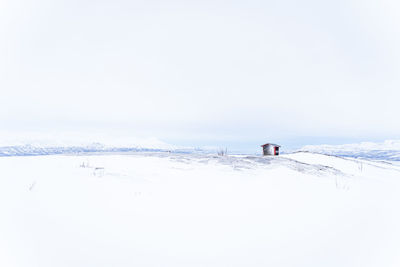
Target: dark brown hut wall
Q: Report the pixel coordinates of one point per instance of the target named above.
(270, 149)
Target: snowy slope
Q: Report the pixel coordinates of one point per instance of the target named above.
(163, 209)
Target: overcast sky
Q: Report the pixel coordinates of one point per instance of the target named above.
(203, 72)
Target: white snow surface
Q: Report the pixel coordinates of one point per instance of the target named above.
(168, 209)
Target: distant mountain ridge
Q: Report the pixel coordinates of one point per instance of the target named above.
(34, 150)
(33, 144)
(387, 150)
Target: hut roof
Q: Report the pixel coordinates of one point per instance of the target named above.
(269, 144)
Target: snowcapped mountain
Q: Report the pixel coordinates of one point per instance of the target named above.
(387, 150)
(71, 143)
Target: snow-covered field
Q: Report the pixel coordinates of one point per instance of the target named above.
(169, 209)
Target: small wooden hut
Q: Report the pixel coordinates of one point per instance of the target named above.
(270, 149)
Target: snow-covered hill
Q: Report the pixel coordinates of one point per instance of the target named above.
(170, 209)
(388, 150)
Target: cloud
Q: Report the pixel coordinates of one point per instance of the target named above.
(176, 68)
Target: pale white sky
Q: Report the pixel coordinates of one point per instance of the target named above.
(202, 71)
